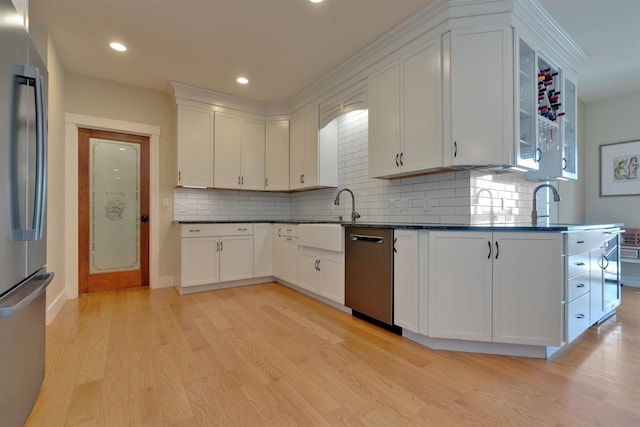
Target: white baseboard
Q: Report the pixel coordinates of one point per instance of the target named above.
(163, 282)
(54, 308)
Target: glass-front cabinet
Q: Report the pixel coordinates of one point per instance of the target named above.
(569, 162)
(528, 154)
(554, 126)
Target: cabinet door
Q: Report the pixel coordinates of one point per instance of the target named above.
(195, 147)
(277, 156)
(528, 287)
(262, 250)
(331, 283)
(384, 121)
(569, 162)
(310, 173)
(597, 286)
(406, 296)
(481, 96)
(252, 156)
(236, 257)
(422, 105)
(527, 152)
(277, 251)
(308, 275)
(296, 153)
(199, 258)
(460, 283)
(303, 158)
(561, 159)
(228, 137)
(290, 259)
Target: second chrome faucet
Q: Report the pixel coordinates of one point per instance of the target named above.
(354, 215)
(534, 212)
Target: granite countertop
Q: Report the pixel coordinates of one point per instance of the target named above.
(516, 226)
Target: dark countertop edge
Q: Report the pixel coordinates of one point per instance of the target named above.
(452, 227)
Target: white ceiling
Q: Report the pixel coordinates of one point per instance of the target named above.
(283, 46)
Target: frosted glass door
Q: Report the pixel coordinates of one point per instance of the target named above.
(114, 203)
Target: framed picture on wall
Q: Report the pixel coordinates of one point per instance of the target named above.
(620, 169)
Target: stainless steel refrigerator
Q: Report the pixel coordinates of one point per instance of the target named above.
(23, 170)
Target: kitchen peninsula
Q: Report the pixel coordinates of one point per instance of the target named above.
(508, 289)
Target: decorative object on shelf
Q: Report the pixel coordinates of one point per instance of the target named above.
(620, 169)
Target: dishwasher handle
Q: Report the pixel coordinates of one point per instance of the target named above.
(364, 238)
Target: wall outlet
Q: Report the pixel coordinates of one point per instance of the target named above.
(165, 202)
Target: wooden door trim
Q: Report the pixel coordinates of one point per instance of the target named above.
(121, 279)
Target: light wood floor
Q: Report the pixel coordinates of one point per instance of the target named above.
(266, 355)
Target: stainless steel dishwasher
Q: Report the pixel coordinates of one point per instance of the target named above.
(369, 273)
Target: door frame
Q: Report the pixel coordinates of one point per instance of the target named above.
(72, 123)
(98, 281)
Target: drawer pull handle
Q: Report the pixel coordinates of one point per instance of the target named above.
(580, 263)
(580, 241)
(242, 229)
(194, 231)
(580, 285)
(579, 316)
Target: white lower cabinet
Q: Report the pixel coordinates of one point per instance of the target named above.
(322, 272)
(406, 280)
(578, 317)
(236, 258)
(197, 266)
(496, 287)
(321, 260)
(285, 252)
(262, 251)
(213, 253)
(578, 283)
(460, 282)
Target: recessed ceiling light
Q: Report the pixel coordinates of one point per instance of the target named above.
(315, 1)
(242, 80)
(118, 46)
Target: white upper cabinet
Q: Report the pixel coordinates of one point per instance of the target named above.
(239, 152)
(479, 130)
(277, 156)
(313, 152)
(556, 120)
(405, 107)
(195, 146)
(527, 124)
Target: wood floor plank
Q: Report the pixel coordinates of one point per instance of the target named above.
(267, 355)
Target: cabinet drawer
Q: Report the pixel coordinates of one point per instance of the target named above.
(212, 230)
(289, 230)
(576, 242)
(577, 317)
(577, 286)
(577, 264)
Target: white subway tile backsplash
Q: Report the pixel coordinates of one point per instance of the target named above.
(458, 197)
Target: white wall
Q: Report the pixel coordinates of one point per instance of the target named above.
(607, 121)
(56, 224)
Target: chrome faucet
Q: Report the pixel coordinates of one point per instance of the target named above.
(354, 215)
(534, 212)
